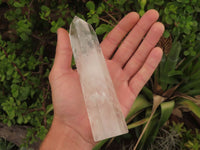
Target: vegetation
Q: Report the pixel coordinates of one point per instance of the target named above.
(176, 137)
(27, 47)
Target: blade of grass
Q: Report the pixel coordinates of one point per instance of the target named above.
(110, 142)
(168, 80)
(161, 66)
(196, 66)
(157, 100)
(194, 92)
(166, 110)
(189, 85)
(190, 60)
(139, 104)
(191, 106)
(147, 92)
(174, 73)
(140, 122)
(173, 56)
(170, 64)
(100, 144)
(154, 126)
(171, 91)
(133, 116)
(49, 109)
(195, 75)
(185, 96)
(148, 136)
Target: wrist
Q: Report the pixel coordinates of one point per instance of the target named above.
(63, 137)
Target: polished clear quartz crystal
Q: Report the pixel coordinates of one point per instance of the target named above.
(104, 112)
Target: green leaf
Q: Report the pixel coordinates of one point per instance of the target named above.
(2, 57)
(45, 12)
(46, 9)
(142, 4)
(157, 100)
(139, 104)
(189, 60)
(18, 103)
(147, 92)
(20, 119)
(9, 123)
(189, 85)
(100, 144)
(90, 5)
(15, 90)
(99, 10)
(49, 109)
(9, 71)
(166, 10)
(24, 93)
(24, 28)
(168, 20)
(194, 92)
(186, 53)
(138, 123)
(174, 73)
(173, 56)
(73, 61)
(193, 53)
(191, 106)
(169, 64)
(103, 28)
(15, 93)
(149, 134)
(95, 19)
(159, 2)
(195, 75)
(166, 110)
(11, 114)
(18, 4)
(141, 12)
(90, 21)
(189, 9)
(155, 124)
(166, 34)
(12, 101)
(55, 25)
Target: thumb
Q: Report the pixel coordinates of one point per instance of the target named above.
(62, 62)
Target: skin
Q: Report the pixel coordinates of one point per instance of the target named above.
(130, 68)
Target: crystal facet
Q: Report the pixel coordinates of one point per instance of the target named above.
(104, 112)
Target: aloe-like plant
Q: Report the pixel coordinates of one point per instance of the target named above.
(169, 89)
(174, 84)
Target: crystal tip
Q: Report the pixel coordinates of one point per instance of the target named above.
(76, 18)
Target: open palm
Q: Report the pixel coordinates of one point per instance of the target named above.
(130, 68)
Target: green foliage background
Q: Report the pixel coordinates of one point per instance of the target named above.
(28, 40)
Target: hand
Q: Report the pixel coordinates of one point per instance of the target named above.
(130, 68)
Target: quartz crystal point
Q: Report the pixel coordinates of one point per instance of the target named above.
(103, 108)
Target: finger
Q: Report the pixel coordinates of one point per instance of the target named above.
(63, 55)
(134, 38)
(137, 60)
(113, 39)
(139, 80)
